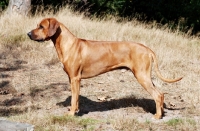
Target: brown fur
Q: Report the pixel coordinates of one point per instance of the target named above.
(86, 58)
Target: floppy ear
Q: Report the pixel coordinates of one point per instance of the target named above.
(53, 26)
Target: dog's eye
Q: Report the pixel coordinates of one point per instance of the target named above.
(40, 27)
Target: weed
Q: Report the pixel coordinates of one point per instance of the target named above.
(62, 120)
(174, 122)
(85, 123)
(148, 121)
(191, 122)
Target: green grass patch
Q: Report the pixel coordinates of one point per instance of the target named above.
(147, 121)
(174, 122)
(86, 124)
(191, 122)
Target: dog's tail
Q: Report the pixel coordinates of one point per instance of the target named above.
(158, 72)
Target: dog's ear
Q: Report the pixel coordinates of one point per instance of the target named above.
(53, 26)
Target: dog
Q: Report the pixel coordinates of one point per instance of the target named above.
(84, 59)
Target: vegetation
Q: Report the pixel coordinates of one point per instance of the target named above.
(183, 14)
(83, 123)
(172, 12)
(174, 122)
(3, 4)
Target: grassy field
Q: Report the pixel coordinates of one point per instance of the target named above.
(34, 88)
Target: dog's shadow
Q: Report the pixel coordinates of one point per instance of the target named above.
(86, 105)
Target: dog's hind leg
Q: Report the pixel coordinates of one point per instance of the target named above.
(146, 82)
(142, 72)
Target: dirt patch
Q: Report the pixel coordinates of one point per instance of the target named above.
(120, 99)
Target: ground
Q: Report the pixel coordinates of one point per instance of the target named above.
(116, 95)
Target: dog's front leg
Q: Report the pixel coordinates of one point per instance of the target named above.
(75, 89)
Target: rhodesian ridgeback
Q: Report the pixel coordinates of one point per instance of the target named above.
(87, 58)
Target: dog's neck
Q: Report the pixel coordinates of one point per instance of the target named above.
(63, 36)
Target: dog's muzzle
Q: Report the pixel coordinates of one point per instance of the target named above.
(30, 36)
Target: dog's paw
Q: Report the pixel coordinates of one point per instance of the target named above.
(156, 116)
(70, 113)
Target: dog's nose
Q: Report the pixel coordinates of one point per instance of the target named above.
(29, 34)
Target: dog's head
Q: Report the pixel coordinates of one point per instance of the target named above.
(45, 30)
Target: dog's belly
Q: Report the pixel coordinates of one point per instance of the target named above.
(100, 68)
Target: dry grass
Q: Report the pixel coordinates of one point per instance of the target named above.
(33, 74)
